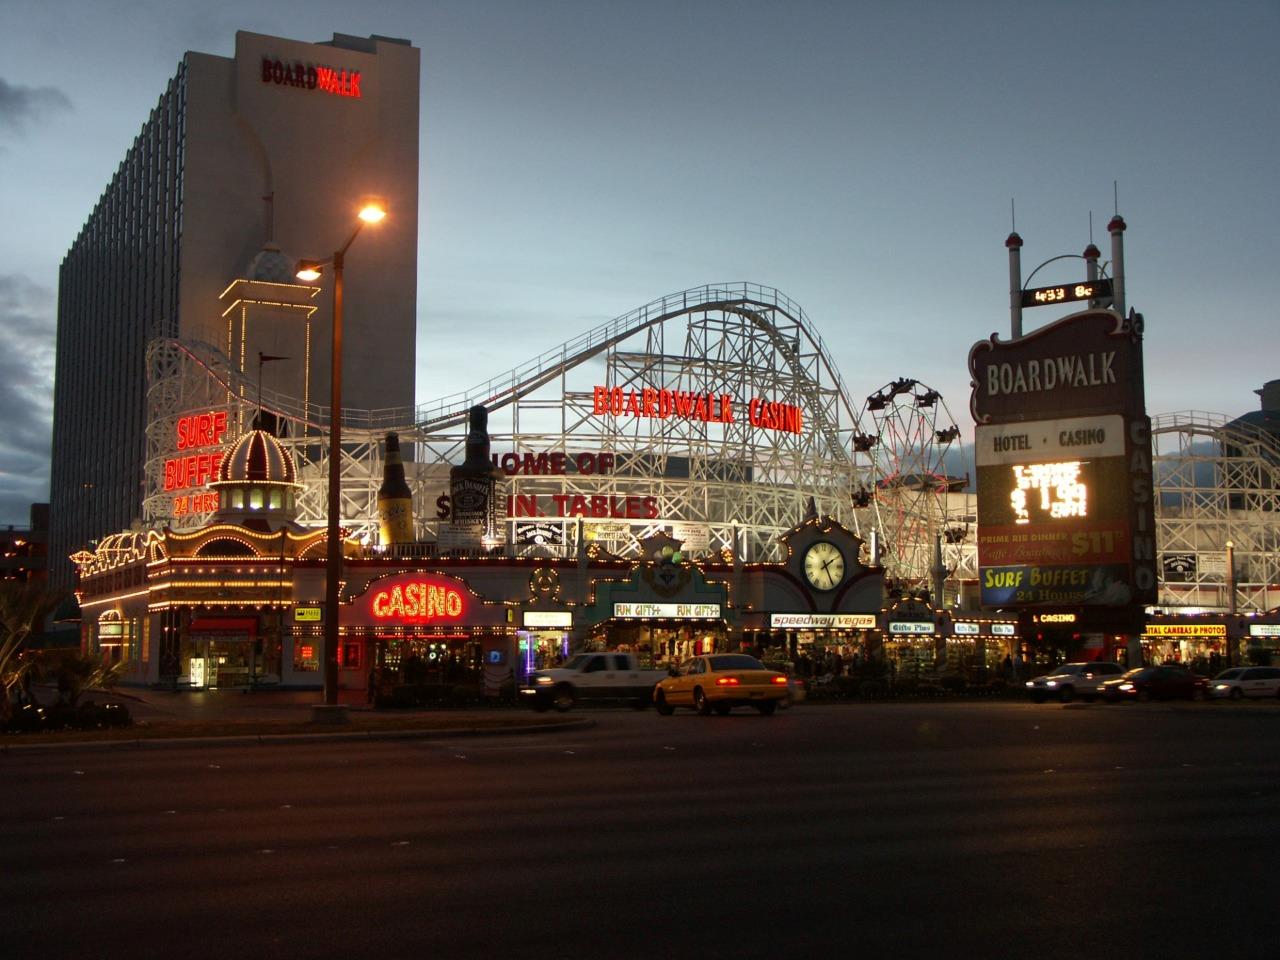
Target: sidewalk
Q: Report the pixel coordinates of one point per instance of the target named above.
(275, 716)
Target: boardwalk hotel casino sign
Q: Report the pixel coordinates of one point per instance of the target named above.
(1063, 448)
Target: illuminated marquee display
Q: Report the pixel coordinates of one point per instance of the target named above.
(1053, 511)
(548, 618)
(1066, 510)
(340, 83)
(421, 600)
(196, 432)
(667, 611)
(653, 404)
(1186, 630)
(822, 621)
(1048, 488)
(1067, 293)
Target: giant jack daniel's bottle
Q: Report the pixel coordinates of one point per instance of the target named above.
(473, 484)
(395, 501)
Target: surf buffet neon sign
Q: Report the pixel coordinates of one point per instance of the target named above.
(199, 438)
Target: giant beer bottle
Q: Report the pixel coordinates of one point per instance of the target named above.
(395, 501)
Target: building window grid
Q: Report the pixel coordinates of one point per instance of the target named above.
(118, 287)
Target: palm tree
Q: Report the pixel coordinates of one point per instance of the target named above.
(24, 605)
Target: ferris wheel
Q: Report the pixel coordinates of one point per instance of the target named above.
(910, 449)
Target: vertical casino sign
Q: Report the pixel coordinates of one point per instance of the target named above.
(1066, 512)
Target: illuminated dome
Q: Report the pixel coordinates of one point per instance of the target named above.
(257, 483)
(257, 457)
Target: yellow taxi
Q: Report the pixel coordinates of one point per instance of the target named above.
(719, 682)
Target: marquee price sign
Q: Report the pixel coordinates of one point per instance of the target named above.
(1065, 502)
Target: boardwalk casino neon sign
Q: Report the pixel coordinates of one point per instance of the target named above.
(340, 83)
(653, 404)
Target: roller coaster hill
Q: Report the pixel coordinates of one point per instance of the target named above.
(717, 414)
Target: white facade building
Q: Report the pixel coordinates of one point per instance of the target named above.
(245, 164)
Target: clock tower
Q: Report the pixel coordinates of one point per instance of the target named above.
(825, 556)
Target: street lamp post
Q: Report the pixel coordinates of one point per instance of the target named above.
(1231, 601)
(371, 212)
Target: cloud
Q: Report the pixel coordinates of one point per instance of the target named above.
(27, 336)
(21, 106)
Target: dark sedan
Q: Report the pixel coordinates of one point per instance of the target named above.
(1156, 683)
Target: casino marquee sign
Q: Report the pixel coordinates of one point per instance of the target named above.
(1081, 365)
(1066, 513)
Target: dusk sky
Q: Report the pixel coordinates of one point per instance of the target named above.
(581, 158)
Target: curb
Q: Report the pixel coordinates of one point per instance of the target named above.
(289, 739)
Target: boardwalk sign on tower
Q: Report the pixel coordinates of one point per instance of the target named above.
(1063, 449)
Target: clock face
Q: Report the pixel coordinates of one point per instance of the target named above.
(823, 565)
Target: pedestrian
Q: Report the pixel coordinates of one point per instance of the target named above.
(1007, 667)
(372, 695)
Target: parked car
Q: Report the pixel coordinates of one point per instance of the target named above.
(1239, 682)
(796, 690)
(720, 682)
(1165, 682)
(1071, 680)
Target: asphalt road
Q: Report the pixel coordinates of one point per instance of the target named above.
(893, 830)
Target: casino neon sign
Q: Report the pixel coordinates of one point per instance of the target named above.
(340, 83)
(419, 600)
(654, 404)
(198, 464)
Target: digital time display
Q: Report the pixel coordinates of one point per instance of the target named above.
(1066, 293)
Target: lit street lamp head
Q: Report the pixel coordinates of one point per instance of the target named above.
(372, 209)
(309, 270)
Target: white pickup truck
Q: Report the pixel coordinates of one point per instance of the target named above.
(592, 676)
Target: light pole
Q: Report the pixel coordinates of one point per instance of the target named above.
(1231, 600)
(371, 211)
